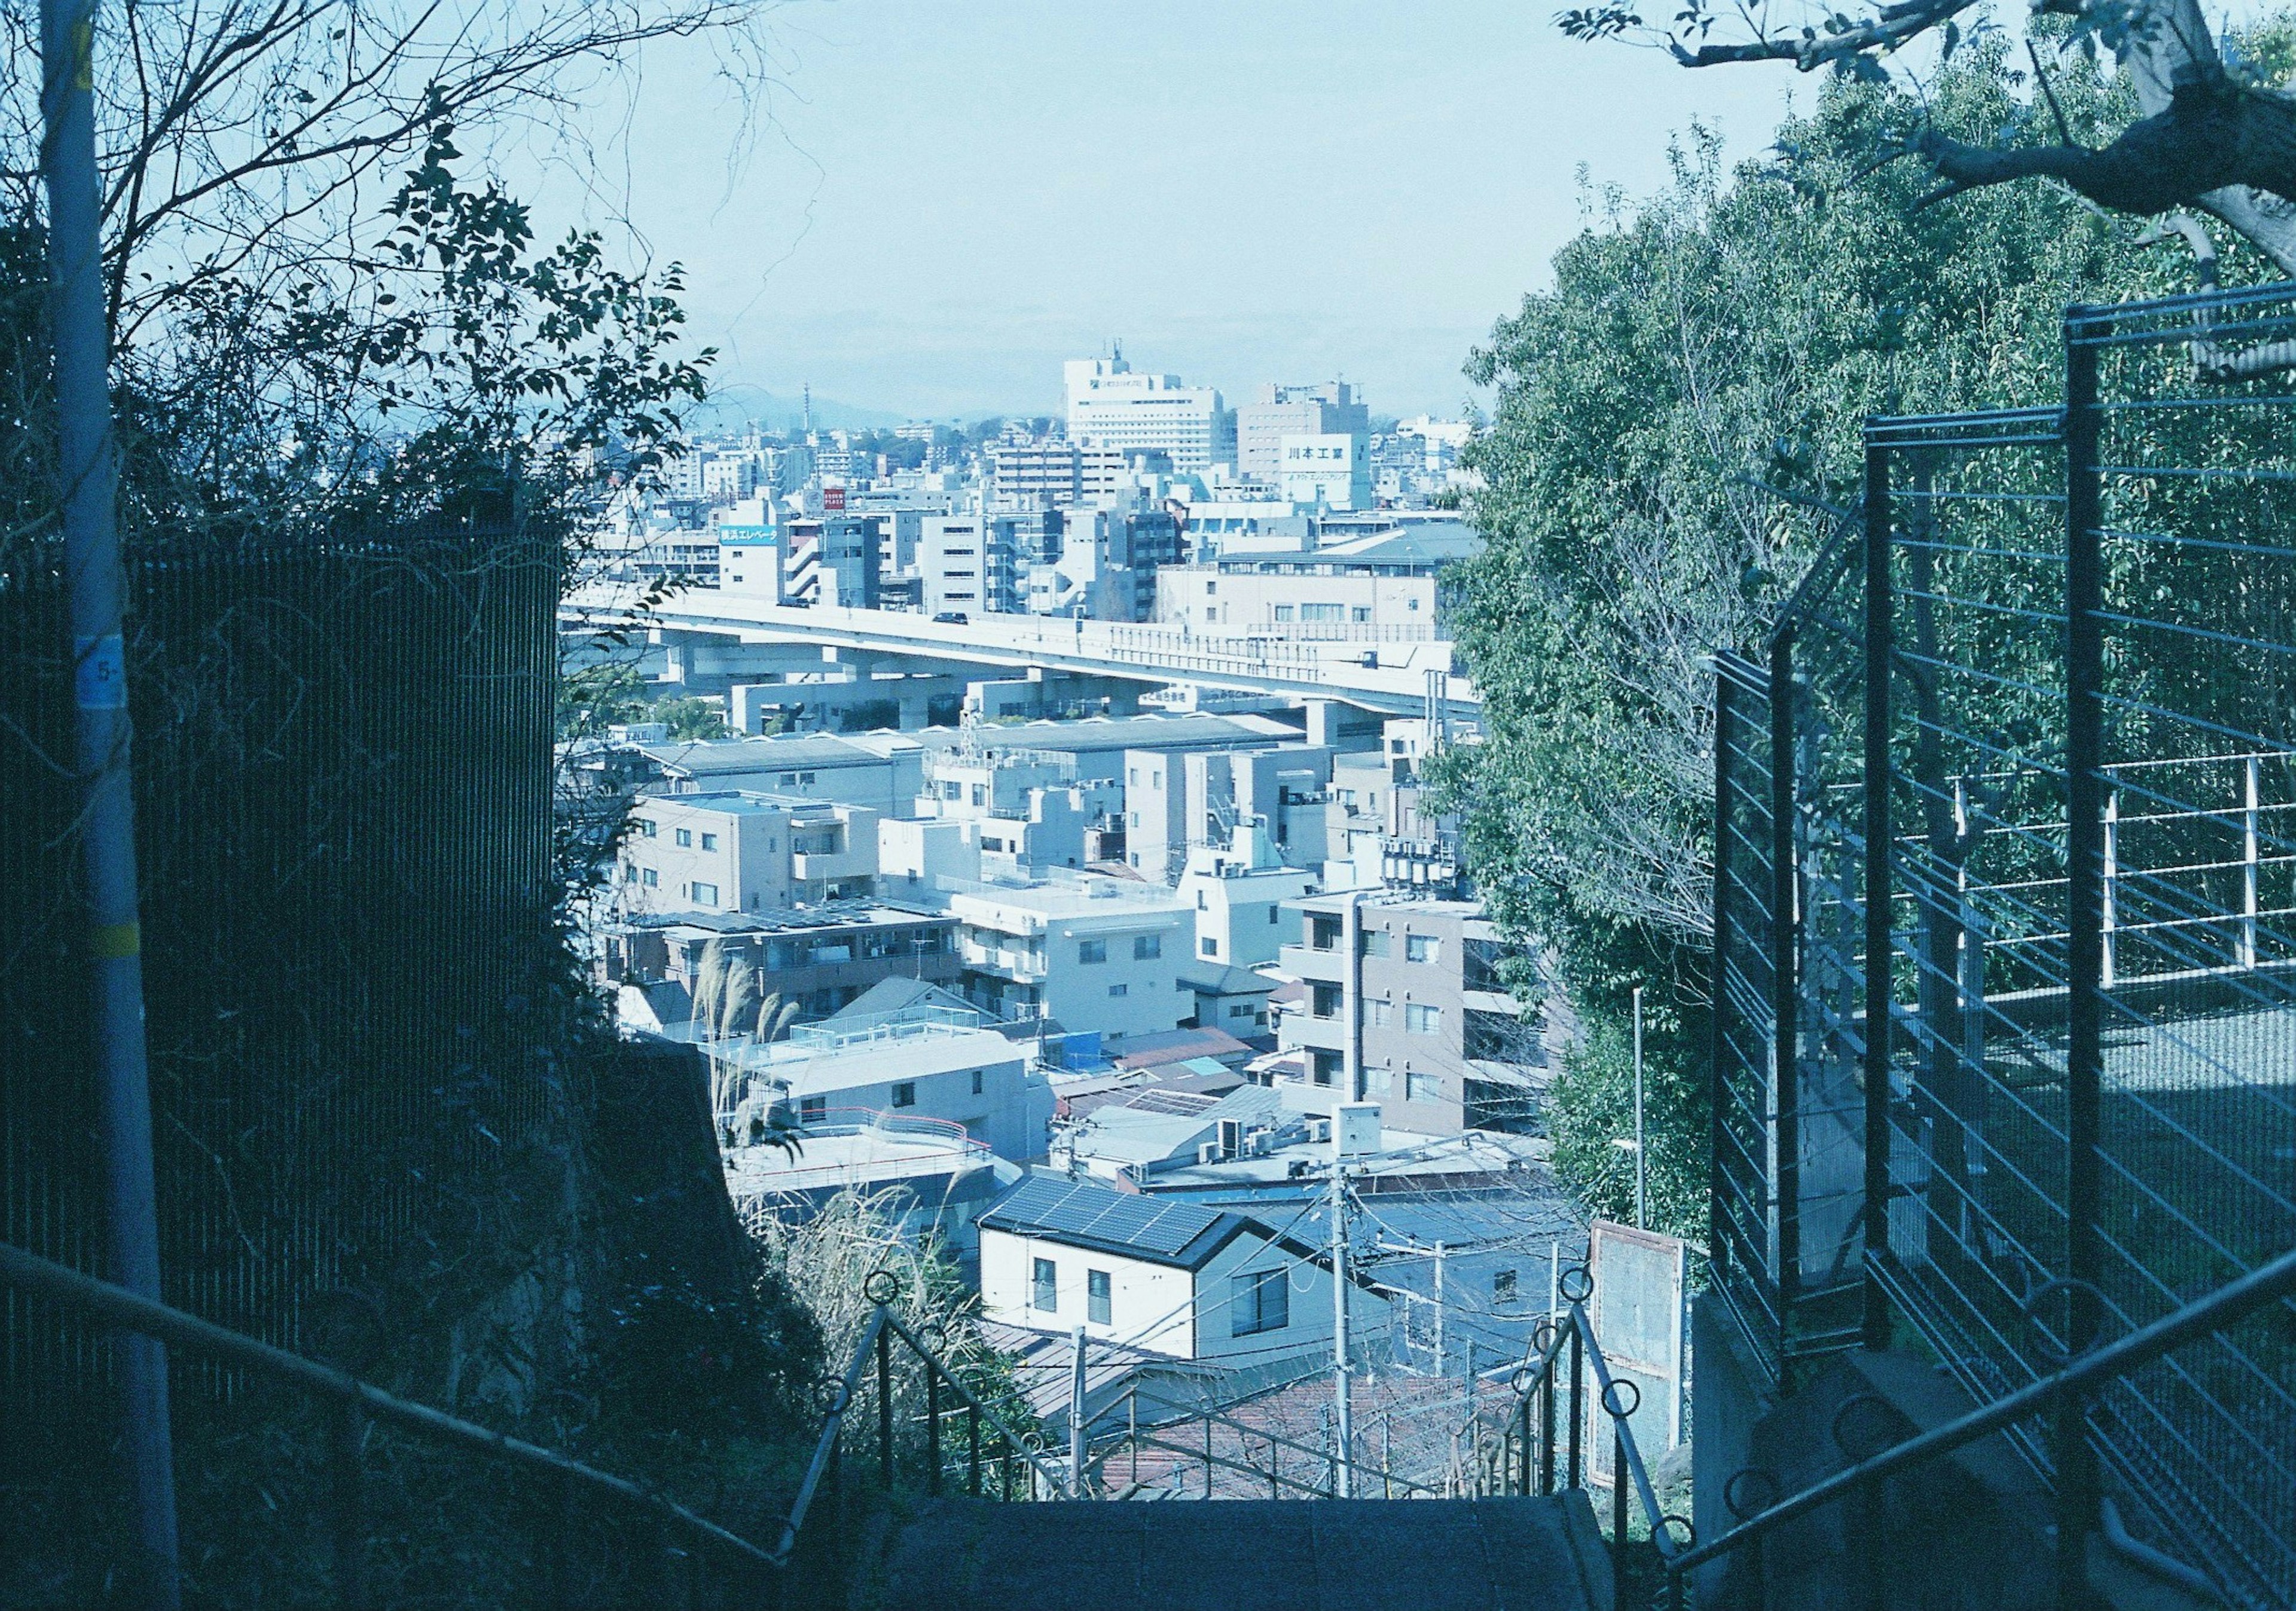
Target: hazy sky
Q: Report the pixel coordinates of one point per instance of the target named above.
(951, 196)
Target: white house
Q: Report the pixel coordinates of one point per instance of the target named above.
(739, 850)
(1169, 1277)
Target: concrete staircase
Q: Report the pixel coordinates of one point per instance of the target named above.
(1541, 1554)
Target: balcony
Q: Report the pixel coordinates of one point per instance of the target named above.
(1307, 962)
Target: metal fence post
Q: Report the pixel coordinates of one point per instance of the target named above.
(1879, 613)
(885, 1406)
(1785, 989)
(346, 1508)
(2250, 857)
(1578, 1403)
(1718, 1240)
(973, 1450)
(2075, 1460)
(1620, 1597)
(932, 1428)
(1546, 1430)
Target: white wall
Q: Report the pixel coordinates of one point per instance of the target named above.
(1149, 1304)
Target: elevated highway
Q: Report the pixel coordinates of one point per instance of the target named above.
(1389, 677)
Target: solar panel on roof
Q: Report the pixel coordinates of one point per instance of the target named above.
(1108, 1216)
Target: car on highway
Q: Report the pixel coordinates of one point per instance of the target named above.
(951, 617)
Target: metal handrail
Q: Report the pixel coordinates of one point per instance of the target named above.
(118, 1307)
(2235, 1300)
(1213, 1417)
(875, 1338)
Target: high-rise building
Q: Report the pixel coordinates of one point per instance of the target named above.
(1330, 407)
(1111, 406)
(1331, 471)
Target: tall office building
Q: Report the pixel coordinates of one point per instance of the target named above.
(1329, 408)
(1110, 406)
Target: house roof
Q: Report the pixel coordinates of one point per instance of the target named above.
(1153, 1231)
(725, 757)
(1177, 1045)
(889, 996)
(1215, 978)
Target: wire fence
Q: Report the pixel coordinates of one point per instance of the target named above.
(2064, 636)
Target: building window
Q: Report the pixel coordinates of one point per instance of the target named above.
(686, 837)
(1502, 1287)
(1363, 612)
(709, 841)
(1240, 1009)
(812, 1109)
(1098, 1303)
(1422, 948)
(1420, 1019)
(1285, 612)
(1271, 916)
(1092, 951)
(650, 879)
(1047, 1284)
(1323, 931)
(1382, 1015)
(703, 895)
(1260, 1300)
(1147, 947)
(1378, 1082)
(646, 828)
(1119, 990)
(1210, 588)
(1208, 946)
(1418, 1087)
(904, 1094)
(1322, 1066)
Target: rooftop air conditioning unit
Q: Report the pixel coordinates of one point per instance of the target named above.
(1208, 1152)
(1319, 1130)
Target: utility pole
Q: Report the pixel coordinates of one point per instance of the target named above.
(1343, 1429)
(1076, 1421)
(1641, 1166)
(92, 566)
(1439, 1360)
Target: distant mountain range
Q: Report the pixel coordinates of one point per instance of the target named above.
(728, 408)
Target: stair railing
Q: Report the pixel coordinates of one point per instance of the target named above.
(2266, 1285)
(354, 1402)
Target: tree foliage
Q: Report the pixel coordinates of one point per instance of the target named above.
(1700, 354)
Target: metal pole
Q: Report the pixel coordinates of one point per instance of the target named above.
(347, 1517)
(1577, 1399)
(885, 1406)
(1474, 1418)
(1642, 1169)
(1076, 1416)
(1439, 1360)
(932, 1428)
(1343, 1413)
(1131, 1428)
(2075, 1460)
(1620, 1597)
(1718, 1045)
(972, 1449)
(1547, 1430)
(92, 566)
(2251, 860)
(1879, 619)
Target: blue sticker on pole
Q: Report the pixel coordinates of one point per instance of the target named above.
(100, 680)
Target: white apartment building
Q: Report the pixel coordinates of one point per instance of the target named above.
(739, 851)
(1100, 955)
(1277, 412)
(1170, 1277)
(880, 769)
(965, 566)
(1327, 470)
(1111, 407)
(1176, 802)
(1238, 891)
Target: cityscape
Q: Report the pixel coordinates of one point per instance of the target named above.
(652, 952)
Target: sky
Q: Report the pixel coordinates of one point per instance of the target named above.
(938, 200)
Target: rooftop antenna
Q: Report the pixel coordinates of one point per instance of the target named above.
(808, 408)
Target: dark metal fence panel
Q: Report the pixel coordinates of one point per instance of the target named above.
(2194, 546)
(343, 781)
(2087, 1091)
(1744, 1217)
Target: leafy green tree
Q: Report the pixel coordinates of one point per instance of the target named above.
(1701, 352)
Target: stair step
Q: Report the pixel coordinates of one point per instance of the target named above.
(1267, 1555)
